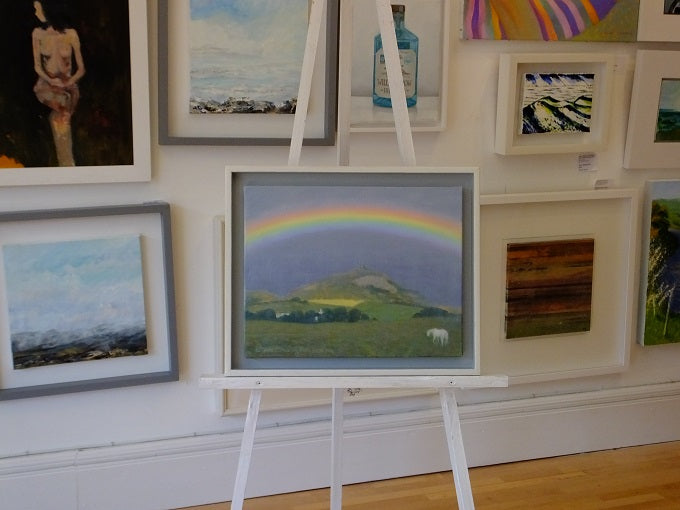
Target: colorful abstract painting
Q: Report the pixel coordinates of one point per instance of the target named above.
(668, 119)
(75, 301)
(551, 20)
(557, 102)
(548, 287)
(246, 55)
(352, 271)
(662, 304)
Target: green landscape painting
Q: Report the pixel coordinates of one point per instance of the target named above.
(548, 287)
(668, 120)
(352, 272)
(662, 306)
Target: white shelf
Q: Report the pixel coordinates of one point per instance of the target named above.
(366, 117)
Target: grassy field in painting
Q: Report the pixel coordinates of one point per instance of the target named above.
(367, 339)
(654, 329)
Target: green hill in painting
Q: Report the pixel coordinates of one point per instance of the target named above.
(673, 207)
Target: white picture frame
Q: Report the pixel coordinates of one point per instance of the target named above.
(238, 363)
(430, 21)
(136, 121)
(655, 25)
(513, 67)
(607, 216)
(652, 67)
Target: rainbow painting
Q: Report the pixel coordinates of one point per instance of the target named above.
(551, 20)
(352, 271)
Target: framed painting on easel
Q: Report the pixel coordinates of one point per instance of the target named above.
(351, 272)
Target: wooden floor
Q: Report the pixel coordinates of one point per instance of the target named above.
(645, 477)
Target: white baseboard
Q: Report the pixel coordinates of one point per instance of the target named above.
(167, 474)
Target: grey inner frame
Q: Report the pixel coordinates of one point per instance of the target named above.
(240, 180)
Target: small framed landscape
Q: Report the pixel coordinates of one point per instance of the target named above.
(86, 299)
(653, 138)
(351, 272)
(553, 103)
(229, 73)
(557, 281)
(659, 21)
(659, 314)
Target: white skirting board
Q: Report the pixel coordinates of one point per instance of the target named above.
(171, 473)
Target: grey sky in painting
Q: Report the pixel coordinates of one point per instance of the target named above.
(287, 263)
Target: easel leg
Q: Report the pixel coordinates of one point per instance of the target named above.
(336, 453)
(454, 439)
(246, 450)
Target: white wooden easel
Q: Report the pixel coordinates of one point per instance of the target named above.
(445, 384)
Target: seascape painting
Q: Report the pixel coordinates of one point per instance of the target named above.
(246, 55)
(548, 287)
(69, 101)
(668, 119)
(353, 271)
(550, 20)
(662, 303)
(671, 7)
(556, 102)
(75, 301)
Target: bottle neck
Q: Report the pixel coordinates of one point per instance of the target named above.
(398, 20)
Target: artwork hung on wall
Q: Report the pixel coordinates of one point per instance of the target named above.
(548, 287)
(660, 305)
(547, 20)
(552, 103)
(429, 20)
(231, 71)
(240, 83)
(347, 271)
(653, 138)
(78, 113)
(659, 21)
(557, 102)
(82, 310)
(557, 283)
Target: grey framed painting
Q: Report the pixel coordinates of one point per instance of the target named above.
(229, 72)
(352, 272)
(86, 299)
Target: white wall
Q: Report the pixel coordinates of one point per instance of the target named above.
(191, 180)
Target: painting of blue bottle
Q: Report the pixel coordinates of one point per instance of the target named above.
(246, 56)
(407, 44)
(668, 119)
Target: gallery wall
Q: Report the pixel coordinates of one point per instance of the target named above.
(191, 179)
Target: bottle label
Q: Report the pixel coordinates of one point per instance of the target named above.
(408, 59)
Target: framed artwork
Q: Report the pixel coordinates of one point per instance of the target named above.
(653, 138)
(351, 272)
(553, 103)
(548, 287)
(547, 20)
(557, 283)
(230, 73)
(659, 316)
(429, 21)
(659, 21)
(91, 127)
(87, 299)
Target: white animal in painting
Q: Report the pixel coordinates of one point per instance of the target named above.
(439, 336)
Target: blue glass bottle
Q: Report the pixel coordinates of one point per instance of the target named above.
(407, 44)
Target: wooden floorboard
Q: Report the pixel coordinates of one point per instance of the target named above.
(644, 477)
